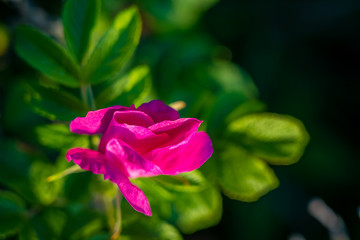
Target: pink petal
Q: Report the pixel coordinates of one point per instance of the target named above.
(97, 163)
(133, 118)
(158, 111)
(133, 164)
(95, 122)
(139, 138)
(186, 156)
(177, 130)
(88, 159)
(135, 197)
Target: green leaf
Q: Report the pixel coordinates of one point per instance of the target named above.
(130, 89)
(58, 136)
(46, 192)
(176, 14)
(14, 170)
(152, 228)
(232, 78)
(12, 213)
(102, 236)
(242, 176)
(45, 55)
(190, 210)
(159, 197)
(278, 139)
(54, 104)
(28, 233)
(223, 106)
(251, 106)
(194, 211)
(79, 18)
(183, 182)
(115, 47)
(228, 77)
(74, 190)
(82, 223)
(47, 224)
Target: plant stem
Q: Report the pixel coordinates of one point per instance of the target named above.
(118, 225)
(88, 96)
(70, 170)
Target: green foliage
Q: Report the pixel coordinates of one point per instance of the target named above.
(115, 47)
(45, 55)
(45, 224)
(58, 136)
(186, 200)
(276, 138)
(187, 67)
(175, 14)
(241, 175)
(141, 227)
(133, 88)
(183, 182)
(54, 104)
(196, 211)
(12, 213)
(46, 192)
(11, 175)
(79, 18)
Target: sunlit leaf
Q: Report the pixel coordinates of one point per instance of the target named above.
(160, 198)
(46, 192)
(58, 136)
(194, 211)
(79, 17)
(242, 176)
(276, 138)
(251, 106)
(133, 88)
(152, 228)
(115, 47)
(190, 208)
(12, 213)
(45, 55)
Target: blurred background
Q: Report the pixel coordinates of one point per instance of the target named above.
(304, 58)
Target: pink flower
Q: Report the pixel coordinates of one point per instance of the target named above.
(140, 142)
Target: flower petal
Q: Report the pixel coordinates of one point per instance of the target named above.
(135, 197)
(95, 122)
(133, 164)
(97, 163)
(130, 117)
(88, 159)
(186, 156)
(139, 138)
(158, 111)
(177, 130)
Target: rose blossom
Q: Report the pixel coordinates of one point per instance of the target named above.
(140, 142)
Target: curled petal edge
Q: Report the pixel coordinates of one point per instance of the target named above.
(97, 163)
